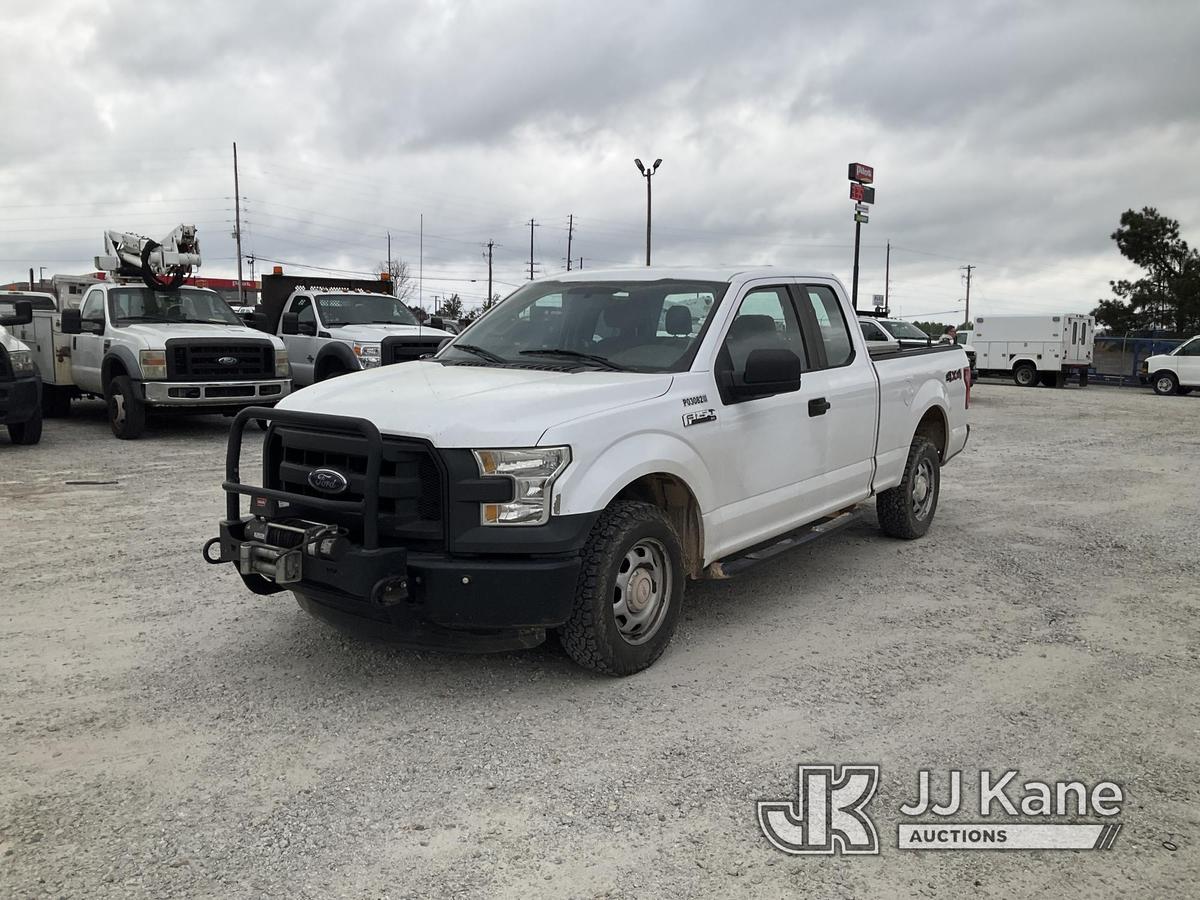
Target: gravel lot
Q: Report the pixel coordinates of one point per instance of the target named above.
(163, 732)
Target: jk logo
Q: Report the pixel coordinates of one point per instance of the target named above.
(827, 816)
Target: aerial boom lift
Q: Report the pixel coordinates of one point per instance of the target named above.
(161, 265)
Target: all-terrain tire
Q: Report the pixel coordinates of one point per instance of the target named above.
(29, 431)
(592, 636)
(901, 514)
(126, 411)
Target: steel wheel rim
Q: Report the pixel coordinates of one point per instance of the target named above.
(1025, 376)
(924, 487)
(1165, 386)
(118, 408)
(642, 592)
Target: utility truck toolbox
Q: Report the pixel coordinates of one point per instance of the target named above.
(580, 452)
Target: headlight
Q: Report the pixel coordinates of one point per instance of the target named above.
(154, 364)
(533, 471)
(21, 361)
(282, 369)
(368, 355)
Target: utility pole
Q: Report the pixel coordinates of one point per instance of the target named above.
(647, 173)
(581, 262)
(421, 266)
(968, 314)
(570, 234)
(488, 300)
(532, 225)
(887, 268)
(237, 218)
(389, 264)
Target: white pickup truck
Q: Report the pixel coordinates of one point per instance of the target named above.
(20, 385)
(334, 326)
(583, 449)
(146, 350)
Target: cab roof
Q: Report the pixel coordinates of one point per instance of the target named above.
(683, 273)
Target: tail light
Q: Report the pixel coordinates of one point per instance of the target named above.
(967, 380)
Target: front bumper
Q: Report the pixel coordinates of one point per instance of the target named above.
(464, 589)
(215, 393)
(19, 399)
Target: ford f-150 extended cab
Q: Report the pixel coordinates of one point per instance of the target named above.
(583, 449)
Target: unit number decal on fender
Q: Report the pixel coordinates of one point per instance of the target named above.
(701, 415)
(698, 400)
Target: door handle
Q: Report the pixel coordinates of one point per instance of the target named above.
(818, 407)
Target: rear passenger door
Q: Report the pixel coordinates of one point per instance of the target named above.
(842, 399)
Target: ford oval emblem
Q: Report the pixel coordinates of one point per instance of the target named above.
(228, 360)
(328, 481)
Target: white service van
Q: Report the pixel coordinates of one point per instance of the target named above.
(1177, 372)
(1034, 349)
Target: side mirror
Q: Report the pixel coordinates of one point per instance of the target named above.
(72, 321)
(769, 372)
(22, 314)
(290, 323)
(259, 320)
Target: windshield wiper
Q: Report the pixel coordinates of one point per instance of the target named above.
(575, 354)
(481, 352)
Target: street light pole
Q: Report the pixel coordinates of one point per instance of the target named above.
(647, 174)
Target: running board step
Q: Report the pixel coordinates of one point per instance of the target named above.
(735, 565)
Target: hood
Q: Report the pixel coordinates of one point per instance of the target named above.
(373, 334)
(8, 342)
(157, 333)
(474, 406)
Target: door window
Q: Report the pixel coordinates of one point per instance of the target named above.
(764, 321)
(873, 332)
(835, 334)
(305, 313)
(1191, 348)
(93, 307)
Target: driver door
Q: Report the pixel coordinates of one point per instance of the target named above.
(766, 455)
(87, 349)
(302, 348)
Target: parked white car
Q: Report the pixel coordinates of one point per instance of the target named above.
(1177, 372)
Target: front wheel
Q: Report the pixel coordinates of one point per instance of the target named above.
(29, 431)
(1165, 384)
(630, 591)
(126, 411)
(906, 511)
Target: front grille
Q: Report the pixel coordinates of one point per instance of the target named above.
(410, 481)
(194, 360)
(399, 348)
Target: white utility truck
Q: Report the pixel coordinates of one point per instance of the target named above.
(1033, 349)
(1177, 372)
(333, 326)
(583, 449)
(148, 344)
(20, 384)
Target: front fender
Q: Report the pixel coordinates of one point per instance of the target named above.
(593, 479)
(127, 359)
(339, 351)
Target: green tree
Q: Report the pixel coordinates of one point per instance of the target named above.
(1167, 296)
(451, 308)
(934, 329)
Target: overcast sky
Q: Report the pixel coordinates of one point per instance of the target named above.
(1006, 135)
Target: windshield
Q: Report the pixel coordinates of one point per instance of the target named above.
(363, 309)
(638, 326)
(141, 304)
(904, 330)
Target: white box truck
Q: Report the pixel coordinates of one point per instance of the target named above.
(1034, 349)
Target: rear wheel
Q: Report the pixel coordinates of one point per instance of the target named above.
(907, 510)
(1165, 383)
(29, 431)
(126, 411)
(1025, 374)
(630, 591)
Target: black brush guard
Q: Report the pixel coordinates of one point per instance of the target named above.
(368, 570)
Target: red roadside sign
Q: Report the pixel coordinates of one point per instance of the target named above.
(861, 193)
(861, 173)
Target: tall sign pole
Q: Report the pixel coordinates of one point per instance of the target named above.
(861, 176)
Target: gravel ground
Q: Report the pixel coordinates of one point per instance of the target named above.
(165, 733)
